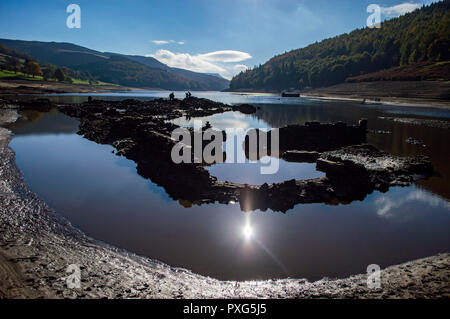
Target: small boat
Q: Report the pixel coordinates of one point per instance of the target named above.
(290, 94)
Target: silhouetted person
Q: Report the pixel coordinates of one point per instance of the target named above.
(89, 98)
(187, 95)
(171, 96)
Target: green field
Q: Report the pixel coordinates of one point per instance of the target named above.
(78, 81)
(5, 74)
(18, 75)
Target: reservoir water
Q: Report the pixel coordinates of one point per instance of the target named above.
(103, 195)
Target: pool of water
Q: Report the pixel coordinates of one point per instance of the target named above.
(103, 195)
(250, 171)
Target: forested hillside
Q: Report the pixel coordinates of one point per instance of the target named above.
(119, 70)
(91, 65)
(420, 36)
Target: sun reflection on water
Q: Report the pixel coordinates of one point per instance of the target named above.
(247, 231)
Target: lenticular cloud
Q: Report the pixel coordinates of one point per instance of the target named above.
(222, 62)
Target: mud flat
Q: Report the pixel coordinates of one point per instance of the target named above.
(421, 122)
(37, 245)
(413, 93)
(13, 87)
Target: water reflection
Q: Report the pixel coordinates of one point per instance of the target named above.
(238, 168)
(247, 231)
(103, 195)
(407, 204)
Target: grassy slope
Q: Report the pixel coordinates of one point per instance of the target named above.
(4, 74)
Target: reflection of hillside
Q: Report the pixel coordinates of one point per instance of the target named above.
(35, 122)
(436, 139)
(282, 115)
(436, 148)
(76, 99)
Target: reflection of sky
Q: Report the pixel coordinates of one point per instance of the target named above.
(104, 196)
(405, 203)
(225, 120)
(250, 171)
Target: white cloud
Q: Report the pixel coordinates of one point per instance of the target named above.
(222, 62)
(400, 9)
(238, 68)
(225, 56)
(162, 42)
(389, 208)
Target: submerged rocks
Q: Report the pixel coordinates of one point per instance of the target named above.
(41, 104)
(301, 156)
(245, 108)
(141, 132)
(442, 124)
(372, 168)
(351, 174)
(414, 141)
(314, 136)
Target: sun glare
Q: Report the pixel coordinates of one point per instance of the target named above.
(247, 232)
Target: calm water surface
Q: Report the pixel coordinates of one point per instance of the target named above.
(103, 195)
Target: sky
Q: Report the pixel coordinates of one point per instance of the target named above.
(211, 36)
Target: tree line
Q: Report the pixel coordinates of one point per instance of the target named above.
(419, 36)
(16, 61)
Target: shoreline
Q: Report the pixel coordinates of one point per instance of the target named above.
(39, 87)
(399, 93)
(349, 92)
(394, 101)
(385, 101)
(37, 245)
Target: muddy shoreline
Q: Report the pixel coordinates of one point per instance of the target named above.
(37, 245)
(20, 87)
(408, 93)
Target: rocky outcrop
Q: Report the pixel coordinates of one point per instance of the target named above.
(37, 246)
(303, 143)
(301, 156)
(314, 136)
(351, 174)
(42, 104)
(141, 132)
(245, 108)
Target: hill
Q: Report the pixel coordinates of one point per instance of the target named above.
(411, 72)
(206, 81)
(122, 71)
(137, 71)
(420, 36)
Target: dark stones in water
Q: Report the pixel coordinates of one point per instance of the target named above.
(353, 169)
(245, 108)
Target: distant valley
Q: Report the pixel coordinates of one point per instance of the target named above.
(126, 70)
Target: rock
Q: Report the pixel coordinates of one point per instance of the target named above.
(442, 124)
(414, 141)
(317, 137)
(245, 108)
(141, 132)
(363, 124)
(301, 156)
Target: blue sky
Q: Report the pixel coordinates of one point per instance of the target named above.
(217, 36)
